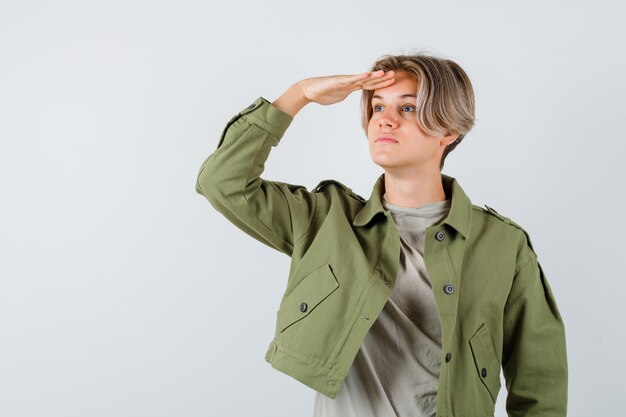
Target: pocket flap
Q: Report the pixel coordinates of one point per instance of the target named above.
(487, 364)
(311, 291)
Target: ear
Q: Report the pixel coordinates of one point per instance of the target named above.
(449, 137)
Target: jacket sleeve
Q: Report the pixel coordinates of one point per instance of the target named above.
(275, 213)
(534, 350)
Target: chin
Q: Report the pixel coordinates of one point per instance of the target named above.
(384, 162)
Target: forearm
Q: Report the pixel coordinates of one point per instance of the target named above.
(291, 101)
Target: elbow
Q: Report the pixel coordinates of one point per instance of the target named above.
(207, 183)
(215, 183)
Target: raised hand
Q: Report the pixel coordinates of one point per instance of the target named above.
(332, 89)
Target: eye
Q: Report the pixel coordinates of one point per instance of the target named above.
(375, 106)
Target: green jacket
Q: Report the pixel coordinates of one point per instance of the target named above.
(495, 304)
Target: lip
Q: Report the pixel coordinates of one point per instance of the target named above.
(386, 139)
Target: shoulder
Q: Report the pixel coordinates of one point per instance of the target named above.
(329, 184)
(498, 217)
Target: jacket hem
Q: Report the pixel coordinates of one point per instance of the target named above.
(311, 374)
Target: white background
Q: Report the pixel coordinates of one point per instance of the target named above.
(124, 293)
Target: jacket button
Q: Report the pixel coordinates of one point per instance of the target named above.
(303, 307)
(251, 106)
(440, 235)
(448, 357)
(484, 372)
(448, 289)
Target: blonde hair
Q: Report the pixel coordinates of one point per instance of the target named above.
(445, 98)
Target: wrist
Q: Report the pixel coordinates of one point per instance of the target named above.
(305, 99)
(292, 100)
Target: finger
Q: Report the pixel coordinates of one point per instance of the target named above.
(373, 75)
(373, 86)
(377, 83)
(387, 81)
(377, 76)
(372, 81)
(358, 77)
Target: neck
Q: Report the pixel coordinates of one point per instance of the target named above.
(414, 190)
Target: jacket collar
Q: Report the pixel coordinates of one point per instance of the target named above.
(458, 216)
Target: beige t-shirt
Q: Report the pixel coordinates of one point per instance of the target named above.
(396, 370)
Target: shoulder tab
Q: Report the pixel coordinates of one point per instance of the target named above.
(495, 213)
(347, 189)
(507, 220)
(322, 184)
(358, 197)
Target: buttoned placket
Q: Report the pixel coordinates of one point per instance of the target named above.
(443, 257)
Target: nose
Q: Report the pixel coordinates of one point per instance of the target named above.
(386, 119)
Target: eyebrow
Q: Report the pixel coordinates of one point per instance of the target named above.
(402, 96)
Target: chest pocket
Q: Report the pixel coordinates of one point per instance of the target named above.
(306, 296)
(487, 364)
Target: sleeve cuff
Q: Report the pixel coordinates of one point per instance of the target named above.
(267, 116)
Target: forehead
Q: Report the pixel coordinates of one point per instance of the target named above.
(404, 86)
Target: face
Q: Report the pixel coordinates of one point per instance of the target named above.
(394, 117)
